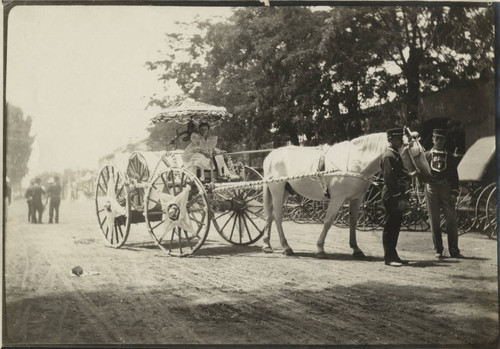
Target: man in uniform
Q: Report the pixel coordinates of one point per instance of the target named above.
(393, 196)
(54, 194)
(441, 193)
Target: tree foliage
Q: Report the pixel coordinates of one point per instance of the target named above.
(287, 71)
(18, 143)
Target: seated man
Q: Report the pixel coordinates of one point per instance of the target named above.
(198, 154)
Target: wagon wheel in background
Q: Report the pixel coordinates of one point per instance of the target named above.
(492, 213)
(480, 222)
(342, 218)
(465, 208)
(237, 213)
(137, 170)
(176, 212)
(415, 217)
(300, 209)
(113, 206)
(371, 211)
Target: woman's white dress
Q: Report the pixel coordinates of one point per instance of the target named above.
(192, 156)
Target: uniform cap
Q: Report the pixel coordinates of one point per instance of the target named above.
(439, 132)
(395, 132)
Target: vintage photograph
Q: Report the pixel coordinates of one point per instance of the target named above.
(268, 174)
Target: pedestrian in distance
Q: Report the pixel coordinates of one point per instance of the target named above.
(393, 196)
(441, 192)
(7, 196)
(54, 195)
(38, 201)
(29, 200)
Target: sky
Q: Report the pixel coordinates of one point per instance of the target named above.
(79, 72)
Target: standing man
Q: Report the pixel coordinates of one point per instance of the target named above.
(29, 200)
(37, 193)
(441, 192)
(393, 196)
(7, 196)
(54, 194)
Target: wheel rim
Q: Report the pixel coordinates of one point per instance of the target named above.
(480, 210)
(491, 213)
(112, 205)
(238, 213)
(176, 212)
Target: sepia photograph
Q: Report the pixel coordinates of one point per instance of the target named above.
(250, 174)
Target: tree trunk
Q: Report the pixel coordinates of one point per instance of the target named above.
(412, 74)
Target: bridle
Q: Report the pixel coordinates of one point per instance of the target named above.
(413, 141)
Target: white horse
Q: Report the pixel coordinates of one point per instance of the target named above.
(356, 162)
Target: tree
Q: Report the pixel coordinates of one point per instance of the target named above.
(18, 144)
(262, 65)
(434, 46)
(287, 71)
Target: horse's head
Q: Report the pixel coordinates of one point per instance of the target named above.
(413, 155)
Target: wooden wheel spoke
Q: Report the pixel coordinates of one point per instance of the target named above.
(251, 221)
(240, 228)
(188, 239)
(228, 220)
(246, 227)
(157, 225)
(232, 229)
(104, 220)
(222, 215)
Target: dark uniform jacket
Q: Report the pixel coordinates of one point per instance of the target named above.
(443, 168)
(54, 191)
(394, 174)
(36, 194)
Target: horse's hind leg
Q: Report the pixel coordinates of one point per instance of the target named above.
(353, 222)
(333, 209)
(268, 208)
(279, 195)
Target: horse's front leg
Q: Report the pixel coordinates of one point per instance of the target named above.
(331, 213)
(353, 222)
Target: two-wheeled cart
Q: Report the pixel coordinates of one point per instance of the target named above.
(176, 206)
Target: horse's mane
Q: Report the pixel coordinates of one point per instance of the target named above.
(372, 143)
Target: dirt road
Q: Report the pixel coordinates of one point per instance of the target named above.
(239, 295)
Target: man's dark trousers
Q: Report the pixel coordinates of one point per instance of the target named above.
(54, 207)
(391, 229)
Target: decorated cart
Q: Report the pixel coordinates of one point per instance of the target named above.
(177, 208)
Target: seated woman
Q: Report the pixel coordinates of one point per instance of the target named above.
(198, 154)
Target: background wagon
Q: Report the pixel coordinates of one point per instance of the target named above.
(477, 202)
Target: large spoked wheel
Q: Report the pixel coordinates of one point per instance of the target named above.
(465, 208)
(481, 222)
(371, 212)
(299, 209)
(415, 217)
(238, 213)
(492, 214)
(176, 211)
(113, 206)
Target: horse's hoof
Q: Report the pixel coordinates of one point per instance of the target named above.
(267, 249)
(320, 255)
(358, 255)
(288, 252)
